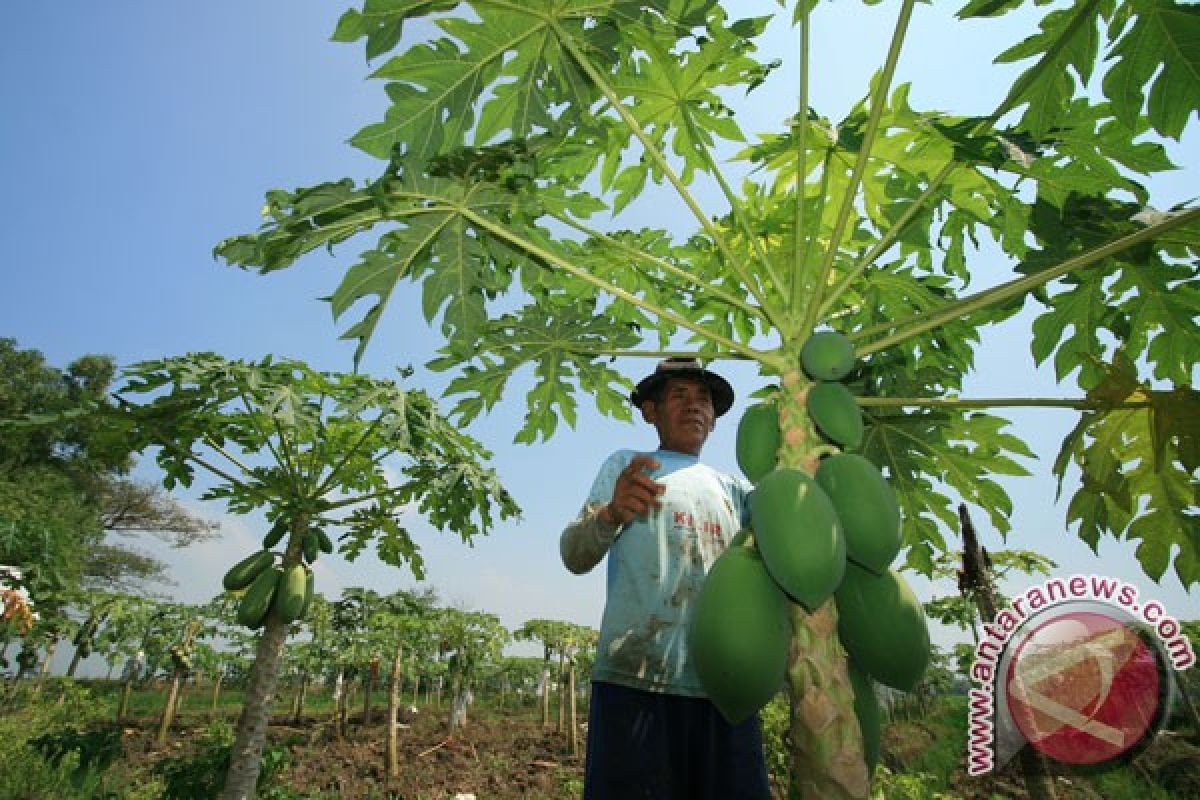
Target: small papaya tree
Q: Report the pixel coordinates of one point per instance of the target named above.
(552, 635)
(403, 620)
(471, 642)
(516, 133)
(313, 655)
(308, 449)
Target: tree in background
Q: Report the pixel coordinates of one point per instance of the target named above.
(404, 619)
(309, 449)
(62, 482)
(517, 132)
(580, 640)
(962, 610)
(471, 641)
(552, 635)
(519, 675)
(312, 656)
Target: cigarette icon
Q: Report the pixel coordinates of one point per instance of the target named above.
(1073, 644)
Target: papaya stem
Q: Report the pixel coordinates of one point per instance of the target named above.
(1076, 403)
(660, 160)
(828, 759)
(581, 273)
(798, 238)
(879, 102)
(965, 306)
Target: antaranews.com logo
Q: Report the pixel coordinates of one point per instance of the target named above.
(1077, 668)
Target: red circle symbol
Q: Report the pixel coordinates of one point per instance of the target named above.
(1084, 688)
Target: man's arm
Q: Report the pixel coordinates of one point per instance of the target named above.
(622, 491)
(587, 538)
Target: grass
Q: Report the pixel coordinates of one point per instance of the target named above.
(926, 755)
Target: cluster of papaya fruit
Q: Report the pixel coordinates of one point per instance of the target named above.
(83, 640)
(181, 657)
(271, 588)
(834, 533)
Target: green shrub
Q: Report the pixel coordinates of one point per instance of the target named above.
(202, 773)
(70, 749)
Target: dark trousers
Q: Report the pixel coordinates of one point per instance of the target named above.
(651, 746)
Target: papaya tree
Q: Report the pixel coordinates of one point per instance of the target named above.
(403, 621)
(351, 617)
(551, 634)
(308, 449)
(580, 641)
(180, 668)
(471, 642)
(312, 655)
(97, 607)
(961, 610)
(516, 133)
(124, 639)
(517, 675)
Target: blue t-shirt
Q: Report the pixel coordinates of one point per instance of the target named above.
(656, 567)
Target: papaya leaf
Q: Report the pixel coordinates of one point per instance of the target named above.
(1159, 47)
(1137, 459)
(1069, 41)
(929, 453)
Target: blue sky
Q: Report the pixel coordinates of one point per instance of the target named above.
(136, 135)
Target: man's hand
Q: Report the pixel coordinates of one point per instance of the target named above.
(636, 493)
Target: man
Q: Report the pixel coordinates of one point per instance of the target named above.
(662, 518)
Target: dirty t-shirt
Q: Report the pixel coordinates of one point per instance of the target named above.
(656, 566)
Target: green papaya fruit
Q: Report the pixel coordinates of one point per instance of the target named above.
(324, 542)
(276, 534)
(797, 531)
(289, 595)
(252, 610)
(866, 709)
(835, 413)
(243, 573)
(758, 440)
(740, 537)
(882, 626)
(309, 588)
(867, 508)
(310, 546)
(827, 356)
(739, 635)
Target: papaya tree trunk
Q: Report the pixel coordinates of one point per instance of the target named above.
(216, 690)
(75, 661)
(828, 762)
(123, 705)
(453, 721)
(301, 698)
(562, 695)
(392, 755)
(168, 712)
(416, 695)
(344, 711)
(339, 692)
(573, 738)
(976, 582)
(546, 691)
(45, 668)
(368, 682)
(183, 687)
(245, 758)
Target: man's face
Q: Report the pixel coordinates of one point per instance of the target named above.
(683, 415)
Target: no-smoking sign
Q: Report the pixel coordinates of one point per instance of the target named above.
(1085, 688)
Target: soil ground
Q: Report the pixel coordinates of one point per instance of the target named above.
(497, 756)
